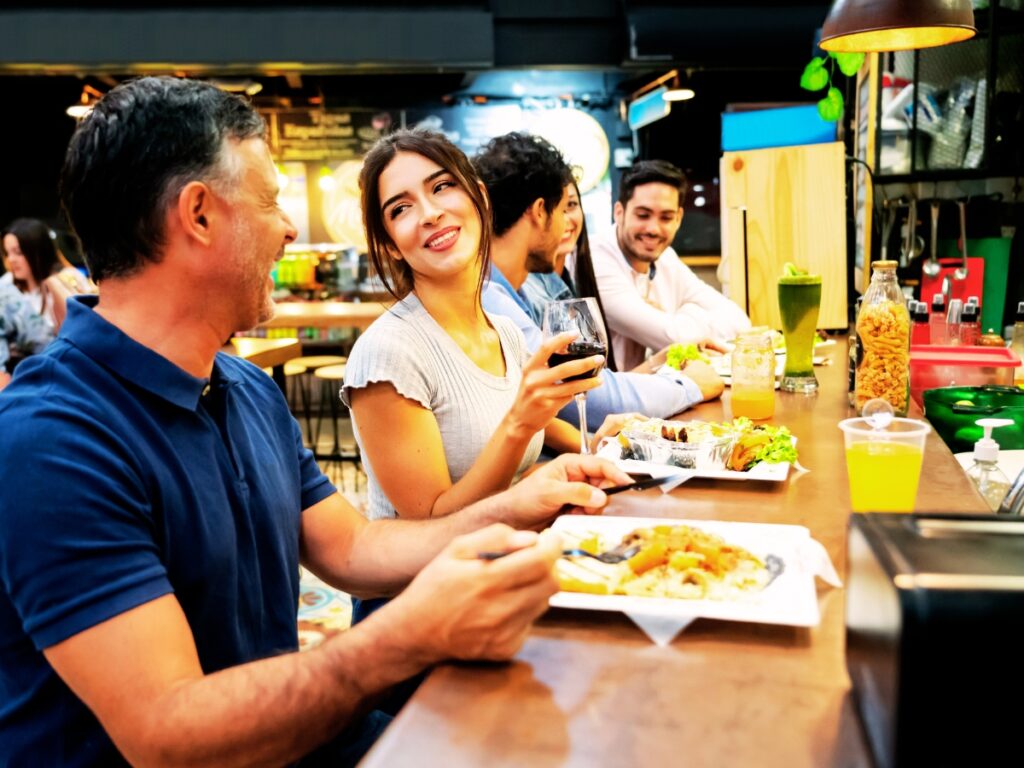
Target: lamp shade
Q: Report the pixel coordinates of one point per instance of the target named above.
(866, 26)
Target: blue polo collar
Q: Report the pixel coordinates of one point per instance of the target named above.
(109, 346)
(499, 279)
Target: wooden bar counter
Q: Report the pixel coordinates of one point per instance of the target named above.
(326, 314)
(590, 689)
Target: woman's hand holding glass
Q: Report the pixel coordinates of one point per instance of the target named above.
(544, 391)
(582, 317)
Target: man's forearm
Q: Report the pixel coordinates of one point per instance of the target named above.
(273, 711)
(387, 554)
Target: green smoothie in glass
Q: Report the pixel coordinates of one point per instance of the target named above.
(799, 301)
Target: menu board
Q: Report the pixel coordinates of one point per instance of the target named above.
(324, 134)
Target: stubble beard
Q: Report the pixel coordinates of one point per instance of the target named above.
(253, 274)
(540, 261)
(634, 255)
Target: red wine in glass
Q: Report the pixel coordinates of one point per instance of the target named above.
(583, 318)
(579, 350)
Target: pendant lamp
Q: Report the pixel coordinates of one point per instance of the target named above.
(866, 26)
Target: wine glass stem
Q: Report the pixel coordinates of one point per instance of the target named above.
(581, 405)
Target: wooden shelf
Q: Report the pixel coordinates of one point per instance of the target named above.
(701, 260)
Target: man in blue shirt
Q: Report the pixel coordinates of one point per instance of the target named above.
(21, 328)
(156, 499)
(528, 182)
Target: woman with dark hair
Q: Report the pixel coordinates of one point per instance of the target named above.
(38, 270)
(573, 275)
(31, 258)
(456, 383)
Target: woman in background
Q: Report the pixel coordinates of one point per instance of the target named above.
(573, 276)
(31, 258)
(37, 269)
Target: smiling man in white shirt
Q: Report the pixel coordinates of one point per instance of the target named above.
(651, 298)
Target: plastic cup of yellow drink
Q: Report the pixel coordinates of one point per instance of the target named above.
(884, 465)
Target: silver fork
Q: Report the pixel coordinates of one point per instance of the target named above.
(775, 566)
(612, 556)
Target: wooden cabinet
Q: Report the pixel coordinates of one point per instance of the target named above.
(784, 204)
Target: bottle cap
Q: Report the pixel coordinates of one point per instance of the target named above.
(878, 413)
(886, 264)
(987, 449)
(970, 313)
(972, 300)
(939, 302)
(1020, 310)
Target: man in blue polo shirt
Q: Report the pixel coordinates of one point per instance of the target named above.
(156, 499)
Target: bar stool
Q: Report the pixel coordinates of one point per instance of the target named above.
(294, 376)
(332, 378)
(311, 364)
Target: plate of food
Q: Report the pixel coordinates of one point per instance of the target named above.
(688, 568)
(736, 450)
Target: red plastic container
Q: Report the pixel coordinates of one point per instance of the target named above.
(934, 366)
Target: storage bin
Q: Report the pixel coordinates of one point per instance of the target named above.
(953, 412)
(933, 366)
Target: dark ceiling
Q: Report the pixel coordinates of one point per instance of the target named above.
(396, 54)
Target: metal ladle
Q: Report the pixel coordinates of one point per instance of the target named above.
(888, 221)
(960, 273)
(931, 267)
(910, 248)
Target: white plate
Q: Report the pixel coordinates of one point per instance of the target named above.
(775, 473)
(790, 599)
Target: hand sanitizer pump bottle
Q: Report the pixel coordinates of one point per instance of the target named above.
(990, 481)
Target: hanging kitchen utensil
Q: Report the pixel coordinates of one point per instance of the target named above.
(931, 267)
(945, 283)
(913, 245)
(888, 222)
(960, 273)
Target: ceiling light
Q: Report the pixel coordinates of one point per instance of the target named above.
(244, 85)
(866, 26)
(678, 94)
(85, 103)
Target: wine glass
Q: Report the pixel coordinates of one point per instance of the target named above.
(583, 317)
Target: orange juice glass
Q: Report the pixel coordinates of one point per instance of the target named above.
(753, 375)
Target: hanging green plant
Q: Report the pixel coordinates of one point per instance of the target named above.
(818, 75)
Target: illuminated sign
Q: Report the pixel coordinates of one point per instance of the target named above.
(648, 108)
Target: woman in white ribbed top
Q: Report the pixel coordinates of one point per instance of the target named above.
(446, 405)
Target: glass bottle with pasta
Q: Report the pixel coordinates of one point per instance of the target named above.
(883, 328)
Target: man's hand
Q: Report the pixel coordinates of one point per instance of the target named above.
(462, 607)
(570, 480)
(612, 425)
(5, 379)
(704, 376)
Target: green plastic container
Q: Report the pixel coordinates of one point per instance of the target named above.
(947, 410)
